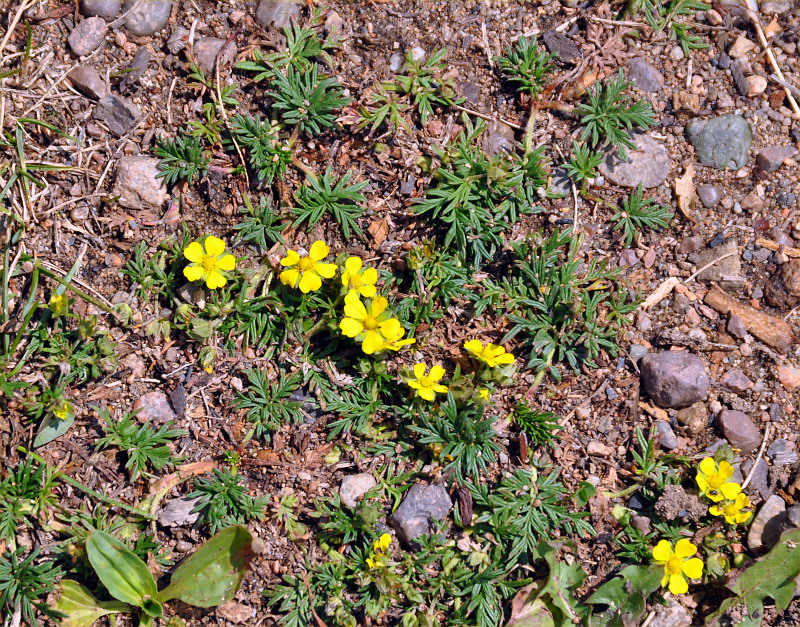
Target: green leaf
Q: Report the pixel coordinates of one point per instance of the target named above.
(584, 493)
(81, 607)
(773, 576)
(53, 427)
(212, 574)
(124, 575)
(626, 596)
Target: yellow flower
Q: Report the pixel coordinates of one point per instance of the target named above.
(307, 272)
(371, 325)
(491, 354)
(358, 279)
(393, 342)
(677, 564)
(59, 304)
(62, 410)
(427, 386)
(735, 510)
(713, 480)
(380, 550)
(483, 394)
(209, 261)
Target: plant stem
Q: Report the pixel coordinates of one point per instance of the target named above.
(626, 492)
(77, 484)
(78, 292)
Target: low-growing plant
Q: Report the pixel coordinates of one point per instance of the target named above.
(663, 15)
(224, 500)
(537, 425)
(261, 223)
(610, 115)
(583, 163)
(324, 195)
(636, 214)
(25, 582)
(26, 491)
(181, 159)
(423, 83)
(526, 65)
(268, 154)
(269, 404)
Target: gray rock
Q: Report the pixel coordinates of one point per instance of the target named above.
(736, 327)
(87, 35)
(119, 114)
(721, 142)
(771, 158)
(353, 487)
(739, 430)
(206, 50)
(423, 504)
(107, 9)
(136, 184)
(154, 407)
(689, 245)
(499, 138)
(470, 91)
(768, 524)
(775, 7)
(672, 614)
(636, 352)
(277, 13)
(147, 18)
(782, 454)
(87, 81)
(675, 503)
(334, 23)
(137, 67)
(642, 524)
(178, 512)
(695, 418)
(560, 183)
(736, 381)
(786, 199)
(724, 269)
(709, 195)
(396, 62)
(648, 164)
(674, 378)
(758, 480)
(645, 76)
(178, 39)
(666, 436)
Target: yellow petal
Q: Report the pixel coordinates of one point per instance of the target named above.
(355, 309)
(292, 258)
(352, 297)
(505, 358)
(194, 252)
(473, 346)
(310, 282)
(379, 304)
(370, 276)
(353, 265)
(372, 343)
(440, 389)
(426, 393)
(437, 372)
(226, 262)
(414, 385)
(215, 280)
(715, 510)
(214, 246)
(730, 490)
(194, 273)
(391, 328)
(684, 548)
(693, 568)
(707, 466)
(702, 483)
(351, 327)
(326, 270)
(319, 250)
(290, 277)
(725, 470)
(662, 551)
(367, 291)
(678, 585)
(419, 370)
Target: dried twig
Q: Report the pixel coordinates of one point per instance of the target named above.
(750, 474)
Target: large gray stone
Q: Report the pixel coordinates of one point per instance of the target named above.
(647, 164)
(107, 9)
(148, 16)
(422, 505)
(87, 35)
(674, 378)
(118, 113)
(739, 430)
(179, 512)
(768, 525)
(354, 487)
(721, 142)
(206, 50)
(137, 185)
(87, 81)
(277, 13)
(770, 158)
(645, 75)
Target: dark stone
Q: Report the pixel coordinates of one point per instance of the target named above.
(137, 67)
(730, 266)
(768, 524)
(782, 290)
(782, 454)
(277, 13)
(709, 195)
(206, 50)
(759, 480)
(736, 381)
(786, 199)
(107, 9)
(563, 46)
(666, 436)
(647, 164)
(690, 245)
(422, 505)
(739, 430)
(118, 113)
(674, 378)
(147, 18)
(178, 400)
(736, 327)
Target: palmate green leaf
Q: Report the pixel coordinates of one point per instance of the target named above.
(626, 596)
(337, 198)
(306, 99)
(774, 576)
(81, 607)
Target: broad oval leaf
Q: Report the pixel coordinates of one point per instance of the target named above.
(81, 607)
(123, 574)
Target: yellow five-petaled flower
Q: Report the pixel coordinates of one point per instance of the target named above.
(678, 564)
(714, 481)
(380, 549)
(358, 279)
(369, 324)
(208, 262)
(735, 510)
(491, 354)
(307, 272)
(427, 386)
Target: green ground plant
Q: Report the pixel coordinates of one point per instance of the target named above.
(181, 159)
(637, 213)
(307, 99)
(25, 582)
(339, 199)
(583, 164)
(261, 223)
(423, 83)
(663, 15)
(539, 426)
(526, 66)
(224, 501)
(269, 403)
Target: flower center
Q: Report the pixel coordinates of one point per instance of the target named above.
(209, 263)
(426, 382)
(675, 565)
(370, 323)
(306, 264)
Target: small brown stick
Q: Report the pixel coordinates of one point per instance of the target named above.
(758, 458)
(320, 622)
(786, 250)
(488, 118)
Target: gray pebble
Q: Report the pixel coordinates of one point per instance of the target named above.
(775, 7)
(118, 113)
(786, 199)
(648, 164)
(87, 35)
(421, 505)
(277, 13)
(771, 158)
(736, 327)
(674, 378)
(758, 480)
(766, 528)
(354, 487)
(782, 454)
(721, 142)
(206, 50)
(137, 185)
(709, 195)
(739, 430)
(636, 352)
(87, 81)
(611, 394)
(645, 76)
(154, 407)
(666, 436)
(107, 9)
(147, 18)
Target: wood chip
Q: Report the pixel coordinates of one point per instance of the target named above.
(772, 331)
(684, 190)
(660, 293)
